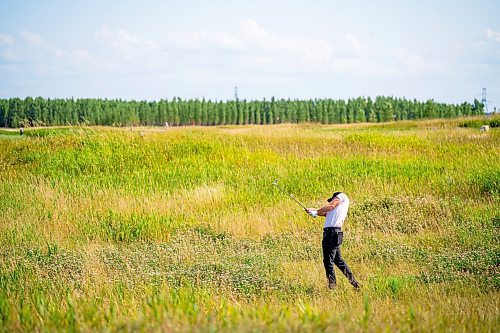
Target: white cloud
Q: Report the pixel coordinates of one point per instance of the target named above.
(255, 33)
(40, 56)
(256, 37)
(416, 64)
(493, 34)
(354, 45)
(258, 49)
(6, 39)
(9, 54)
(126, 37)
(412, 62)
(122, 37)
(104, 32)
(40, 46)
(120, 52)
(250, 54)
(265, 48)
(204, 39)
(253, 48)
(226, 40)
(34, 39)
(7, 51)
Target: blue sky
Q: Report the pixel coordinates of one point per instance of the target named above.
(444, 50)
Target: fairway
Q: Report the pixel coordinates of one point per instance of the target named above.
(180, 229)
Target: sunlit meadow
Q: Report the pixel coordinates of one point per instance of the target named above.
(179, 229)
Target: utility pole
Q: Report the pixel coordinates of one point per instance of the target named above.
(484, 100)
(235, 93)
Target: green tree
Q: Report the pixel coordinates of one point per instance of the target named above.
(4, 113)
(477, 108)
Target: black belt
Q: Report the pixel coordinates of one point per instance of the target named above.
(332, 229)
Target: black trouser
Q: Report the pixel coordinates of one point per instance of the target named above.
(332, 238)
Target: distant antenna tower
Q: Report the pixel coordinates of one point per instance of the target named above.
(484, 100)
(236, 93)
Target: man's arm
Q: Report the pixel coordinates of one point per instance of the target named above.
(330, 206)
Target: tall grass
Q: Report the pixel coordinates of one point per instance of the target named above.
(181, 230)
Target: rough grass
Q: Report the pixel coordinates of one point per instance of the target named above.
(180, 230)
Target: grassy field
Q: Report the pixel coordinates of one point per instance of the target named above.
(107, 229)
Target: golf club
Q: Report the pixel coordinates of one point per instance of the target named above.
(275, 183)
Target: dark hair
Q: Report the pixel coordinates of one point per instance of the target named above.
(333, 196)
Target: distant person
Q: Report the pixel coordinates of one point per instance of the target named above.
(21, 131)
(166, 124)
(335, 213)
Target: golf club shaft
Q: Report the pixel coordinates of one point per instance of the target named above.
(285, 192)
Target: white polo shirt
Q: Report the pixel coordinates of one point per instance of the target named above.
(336, 217)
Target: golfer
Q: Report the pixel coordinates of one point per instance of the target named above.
(335, 213)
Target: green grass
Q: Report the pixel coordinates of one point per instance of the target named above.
(180, 229)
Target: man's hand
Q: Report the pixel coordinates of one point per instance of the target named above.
(312, 212)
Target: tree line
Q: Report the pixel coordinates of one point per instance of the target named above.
(16, 112)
